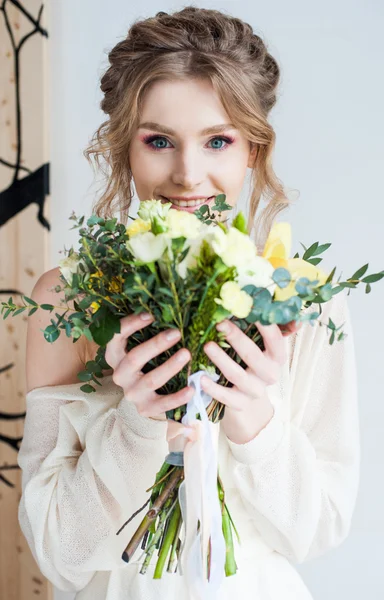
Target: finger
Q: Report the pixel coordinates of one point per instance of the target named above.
(158, 377)
(290, 328)
(233, 372)
(146, 351)
(115, 350)
(153, 407)
(273, 341)
(249, 352)
(228, 396)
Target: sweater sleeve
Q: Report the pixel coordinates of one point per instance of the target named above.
(86, 462)
(299, 476)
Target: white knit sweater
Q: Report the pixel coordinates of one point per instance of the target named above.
(87, 460)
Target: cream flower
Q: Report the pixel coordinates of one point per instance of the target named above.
(69, 265)
(153, 208)
(138, 226)
(183, 224)
(233, 299)
(257, 272)
(236, 249)
(147, 246)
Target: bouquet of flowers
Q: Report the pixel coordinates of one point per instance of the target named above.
(190, 271)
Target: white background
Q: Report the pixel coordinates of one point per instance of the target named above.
(330, 131)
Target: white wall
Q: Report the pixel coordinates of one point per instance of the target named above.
(330, 131)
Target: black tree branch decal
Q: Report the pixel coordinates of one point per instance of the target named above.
(35, 186)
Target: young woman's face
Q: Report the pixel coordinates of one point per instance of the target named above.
(173, 155)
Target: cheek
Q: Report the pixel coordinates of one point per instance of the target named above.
(147, 172)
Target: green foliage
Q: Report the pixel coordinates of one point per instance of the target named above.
(110, 284)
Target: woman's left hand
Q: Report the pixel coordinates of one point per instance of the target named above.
(247, 406)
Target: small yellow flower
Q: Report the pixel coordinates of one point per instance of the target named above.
(235, 300)
(94, 307)
(138, 226)
(116, 284)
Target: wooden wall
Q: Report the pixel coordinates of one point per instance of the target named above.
(24, 238)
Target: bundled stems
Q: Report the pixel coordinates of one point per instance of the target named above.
(152, 514)
(170, 536)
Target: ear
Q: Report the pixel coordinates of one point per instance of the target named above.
(252, 155)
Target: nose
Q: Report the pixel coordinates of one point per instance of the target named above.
(189, 169)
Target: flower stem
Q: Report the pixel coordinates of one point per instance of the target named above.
(168, 541)
(152, 514)
(173, 555)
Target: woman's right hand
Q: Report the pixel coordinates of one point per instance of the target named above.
(139, 387)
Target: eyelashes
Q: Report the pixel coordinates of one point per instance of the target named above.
(149, 139)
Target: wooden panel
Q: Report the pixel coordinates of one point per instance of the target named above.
(24, 238)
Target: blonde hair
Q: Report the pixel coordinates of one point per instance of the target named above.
(191, 43)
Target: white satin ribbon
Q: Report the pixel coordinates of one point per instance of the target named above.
(198, 495)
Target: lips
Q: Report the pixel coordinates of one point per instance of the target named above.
(188, 206)
(181, 201)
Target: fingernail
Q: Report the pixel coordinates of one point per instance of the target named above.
(145, 316)
(172, 334)
(182, 356)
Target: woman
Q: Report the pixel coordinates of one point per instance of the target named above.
(187, 97)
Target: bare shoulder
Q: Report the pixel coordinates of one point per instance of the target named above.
(59, 362)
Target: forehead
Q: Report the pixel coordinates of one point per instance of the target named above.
(186, 106)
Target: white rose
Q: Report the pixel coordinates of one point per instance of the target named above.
(236, 249)
(69, 265)
(147, 246)
(153, 208)
(257, 272)
(183, 224)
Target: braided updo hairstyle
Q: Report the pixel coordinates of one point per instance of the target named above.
(191, 43)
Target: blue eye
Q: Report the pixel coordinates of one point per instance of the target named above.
(161, 142)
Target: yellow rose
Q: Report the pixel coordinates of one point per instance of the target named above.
(138, 226)
(235, 300)
(299, 268)
(277, 250)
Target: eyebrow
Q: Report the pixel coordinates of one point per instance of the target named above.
(162, 129)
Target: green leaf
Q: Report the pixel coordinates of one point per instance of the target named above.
(30, 301)
(88, 334)
(282, 277)
(51, 333)
(34, 309)
(240, 223)
(95, 220)
(373, 278)
(314, 261)
(330, 276)
(103, 331)
(47, 307)
(360, 272)
(167, 314)
(310, 251)
(110, 224)
(368, 288)
(326, 292)
(87, 388)
(19, 310)
(320, 249)
(84, 376)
